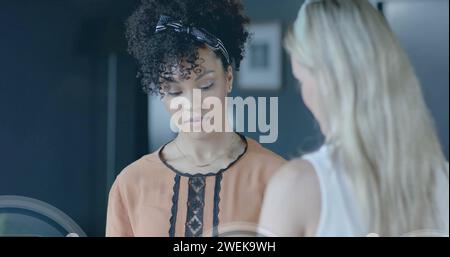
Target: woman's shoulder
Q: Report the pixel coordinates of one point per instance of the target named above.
(147, 168)
(295, 194)
(260, 161)
(294, 175)
(262, 154)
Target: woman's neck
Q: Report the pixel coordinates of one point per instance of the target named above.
(202, 148)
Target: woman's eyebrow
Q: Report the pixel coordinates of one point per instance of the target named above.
(203, 74)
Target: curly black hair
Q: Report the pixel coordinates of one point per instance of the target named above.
(158, 53)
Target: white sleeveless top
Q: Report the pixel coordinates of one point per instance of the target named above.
(339, 215)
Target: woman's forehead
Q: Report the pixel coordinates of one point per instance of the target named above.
(204, 74)
(206, 64)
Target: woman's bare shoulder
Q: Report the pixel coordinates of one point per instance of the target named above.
(292, 200)
(293, 174)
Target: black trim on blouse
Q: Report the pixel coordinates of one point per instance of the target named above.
(196, 197)
(217, 188)
(201, 174)
(174, 210)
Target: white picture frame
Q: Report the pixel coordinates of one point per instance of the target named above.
(262, 66)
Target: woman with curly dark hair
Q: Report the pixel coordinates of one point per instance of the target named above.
(201, 182)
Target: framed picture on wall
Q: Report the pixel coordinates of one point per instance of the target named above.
(262, 66)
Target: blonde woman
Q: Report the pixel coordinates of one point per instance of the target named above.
(381, 169)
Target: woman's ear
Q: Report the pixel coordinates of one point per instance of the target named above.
(229, 78)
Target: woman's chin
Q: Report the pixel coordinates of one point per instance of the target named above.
(199, 134)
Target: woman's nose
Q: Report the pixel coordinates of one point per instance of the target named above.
(193, 100)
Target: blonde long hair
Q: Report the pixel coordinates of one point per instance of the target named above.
(380, 130)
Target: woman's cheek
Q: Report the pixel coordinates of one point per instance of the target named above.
(309, 97)
(166, 102)
(305, 97)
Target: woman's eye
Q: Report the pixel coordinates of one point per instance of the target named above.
(174, 93)
(207, 86)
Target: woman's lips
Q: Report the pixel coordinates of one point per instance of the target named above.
(194, 120)
(197, 119)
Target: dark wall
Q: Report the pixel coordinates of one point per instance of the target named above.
(53, 109)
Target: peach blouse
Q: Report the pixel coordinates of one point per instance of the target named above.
(151, 198)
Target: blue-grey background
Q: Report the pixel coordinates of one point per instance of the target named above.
(72, 114)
